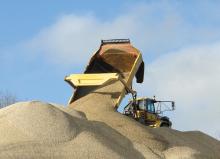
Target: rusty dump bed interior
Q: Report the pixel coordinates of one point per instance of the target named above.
(114, 57)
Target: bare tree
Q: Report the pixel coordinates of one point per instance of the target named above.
(6, 99)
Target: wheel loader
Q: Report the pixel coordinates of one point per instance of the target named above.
(115, 61)
(149, 111)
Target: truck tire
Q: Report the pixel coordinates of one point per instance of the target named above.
(165, 125)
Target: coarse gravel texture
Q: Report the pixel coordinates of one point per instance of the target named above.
(91, 128)
(41, 130)
(151, 143)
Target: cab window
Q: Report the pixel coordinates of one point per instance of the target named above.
(150, 106)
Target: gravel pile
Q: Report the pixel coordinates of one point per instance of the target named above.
(41, 130)
(151, 143)
(91, 128)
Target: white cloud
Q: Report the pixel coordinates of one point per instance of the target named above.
(191, 78)
(155, 28)
(73, 39)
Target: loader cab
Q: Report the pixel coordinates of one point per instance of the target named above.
(146, 104)
(141, 105)
(149, 113)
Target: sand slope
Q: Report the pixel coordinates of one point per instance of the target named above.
(152, 143)
(41, 130)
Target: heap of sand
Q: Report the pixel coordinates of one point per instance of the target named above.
(98, 104)
(41, 130)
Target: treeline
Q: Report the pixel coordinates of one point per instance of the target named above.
(7, 98)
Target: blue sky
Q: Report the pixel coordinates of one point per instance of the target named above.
(43, 41)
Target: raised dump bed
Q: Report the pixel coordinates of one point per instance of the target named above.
(114, 56)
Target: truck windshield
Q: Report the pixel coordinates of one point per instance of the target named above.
(150, 106)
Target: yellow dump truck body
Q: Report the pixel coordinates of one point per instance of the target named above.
(113, 56)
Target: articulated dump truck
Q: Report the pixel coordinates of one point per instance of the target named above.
(116, 60)
(108, 77)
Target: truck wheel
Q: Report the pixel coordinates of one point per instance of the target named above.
(165, 125)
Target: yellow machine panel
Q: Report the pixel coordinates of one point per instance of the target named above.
(93, 79)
